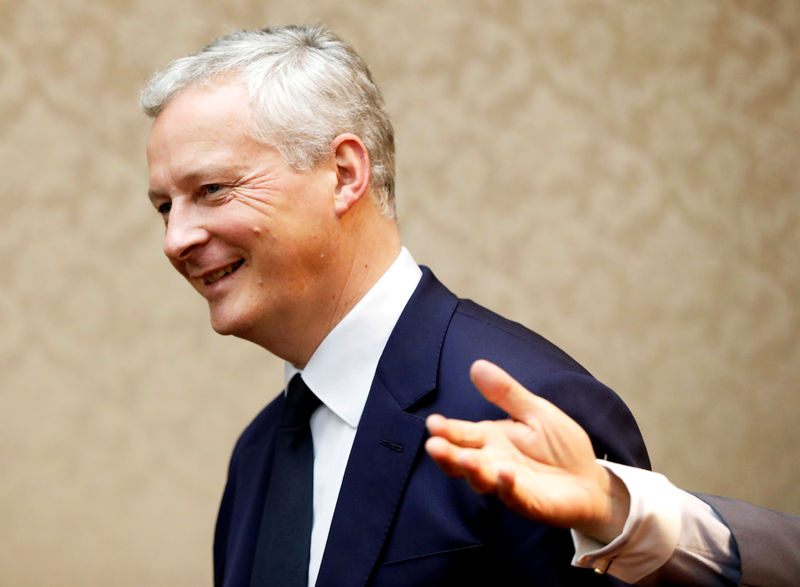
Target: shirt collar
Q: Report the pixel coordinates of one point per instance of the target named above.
(341, 370)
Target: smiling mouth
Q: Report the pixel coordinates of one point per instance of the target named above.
(220, 273)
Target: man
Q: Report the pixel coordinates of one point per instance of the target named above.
(272, 163)
(542, 466)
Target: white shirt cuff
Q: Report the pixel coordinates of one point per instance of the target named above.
(650, 534)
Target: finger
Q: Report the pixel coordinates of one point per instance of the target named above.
(515, 497)
(459, 432)
(464, 463)
(505, 392)
(479, 470)
(445, 455)
(506, 480)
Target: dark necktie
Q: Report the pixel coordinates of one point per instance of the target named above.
(281, 558)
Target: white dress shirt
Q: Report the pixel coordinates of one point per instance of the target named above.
(340, 374)
(666, 527)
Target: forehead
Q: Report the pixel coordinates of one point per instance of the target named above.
(220, 109)
(201, 125)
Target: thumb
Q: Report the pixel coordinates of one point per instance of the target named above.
(504, 391)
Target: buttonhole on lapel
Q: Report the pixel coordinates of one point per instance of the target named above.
(392, 446)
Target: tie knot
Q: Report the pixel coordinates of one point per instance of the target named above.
(300, 402)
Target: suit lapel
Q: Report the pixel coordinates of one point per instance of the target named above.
(374, 481)
(389, 437)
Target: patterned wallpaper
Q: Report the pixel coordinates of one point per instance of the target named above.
(620, 176)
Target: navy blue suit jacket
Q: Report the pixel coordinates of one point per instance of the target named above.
(399, 520)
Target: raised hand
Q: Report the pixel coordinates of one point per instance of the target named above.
(539, 462)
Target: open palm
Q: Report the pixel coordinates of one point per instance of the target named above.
(539, 462)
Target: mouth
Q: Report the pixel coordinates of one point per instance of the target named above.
(220, 273)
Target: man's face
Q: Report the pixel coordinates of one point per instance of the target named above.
(253, 236)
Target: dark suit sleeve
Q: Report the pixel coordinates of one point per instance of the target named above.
(768, 541)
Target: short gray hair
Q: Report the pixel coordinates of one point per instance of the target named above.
(306, 87)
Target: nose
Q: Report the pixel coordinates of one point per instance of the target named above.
(185, 232)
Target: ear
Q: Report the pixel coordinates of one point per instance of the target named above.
(352, 171)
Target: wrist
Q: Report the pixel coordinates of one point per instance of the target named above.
(611, 510)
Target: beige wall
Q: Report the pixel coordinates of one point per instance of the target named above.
(620, 176)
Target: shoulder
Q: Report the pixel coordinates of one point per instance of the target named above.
(475, 333)
(546, 370)
(439, 336)
(466, 330)
(472, 320)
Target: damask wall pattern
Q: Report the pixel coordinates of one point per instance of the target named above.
(620, 176)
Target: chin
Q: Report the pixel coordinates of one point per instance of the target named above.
(235, 325)
(223, 330)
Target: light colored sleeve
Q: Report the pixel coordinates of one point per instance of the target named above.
(669, 535)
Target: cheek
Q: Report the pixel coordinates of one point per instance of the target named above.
(253, 220)
(240, 225)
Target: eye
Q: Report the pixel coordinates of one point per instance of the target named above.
(214, 194)
(164, 208)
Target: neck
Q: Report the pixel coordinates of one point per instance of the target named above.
(369, 246)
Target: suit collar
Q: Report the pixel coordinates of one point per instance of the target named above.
(389, 438)
(417, 340)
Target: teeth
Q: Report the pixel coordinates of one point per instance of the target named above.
(220, 273)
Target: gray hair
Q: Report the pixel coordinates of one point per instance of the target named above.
(306, 87)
